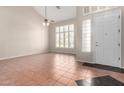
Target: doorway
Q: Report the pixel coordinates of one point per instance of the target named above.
(107, 43)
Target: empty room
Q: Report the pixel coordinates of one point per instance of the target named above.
(61, 46)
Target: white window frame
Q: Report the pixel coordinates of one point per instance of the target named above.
(64, 32)
(86, 45)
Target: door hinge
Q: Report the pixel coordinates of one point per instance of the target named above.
(119, 44)
(119, 16)
(119, 58)
(118, 30)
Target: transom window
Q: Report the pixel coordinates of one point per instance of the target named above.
(86, 35)
(93, 9)
(64, 36)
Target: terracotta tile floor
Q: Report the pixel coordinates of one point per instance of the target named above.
(48, 69)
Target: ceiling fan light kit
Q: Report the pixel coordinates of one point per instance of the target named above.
(46, 23)
(46, 20)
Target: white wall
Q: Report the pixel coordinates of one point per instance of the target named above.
(21, 32)
(52, 37)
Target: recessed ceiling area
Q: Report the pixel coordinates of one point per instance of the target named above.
(57, 14)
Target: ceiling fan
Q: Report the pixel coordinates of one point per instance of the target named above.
(58, 7)
(46, 20)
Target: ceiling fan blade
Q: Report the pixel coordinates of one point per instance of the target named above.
(58, 7)
(52, 21)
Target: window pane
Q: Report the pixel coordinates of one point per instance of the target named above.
(61, 40)
(61, 29)
(57, 39)
(102, 7)
(86, 9)
(66, 28)
(66, 39)
(57, 29)
(71, 27)
(65, 36)
(94, 8)
(86, 36)
(71, 39)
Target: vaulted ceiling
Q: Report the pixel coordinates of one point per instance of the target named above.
(57, 14)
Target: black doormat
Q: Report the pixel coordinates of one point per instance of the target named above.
(99, 81)
(110, 68)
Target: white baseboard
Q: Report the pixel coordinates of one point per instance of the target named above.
(34, 53)
(62, 52)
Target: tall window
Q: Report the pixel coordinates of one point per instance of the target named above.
(65, 36)
(86, 35)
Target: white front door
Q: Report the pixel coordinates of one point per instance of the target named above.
(99, 30)
(107, 38)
